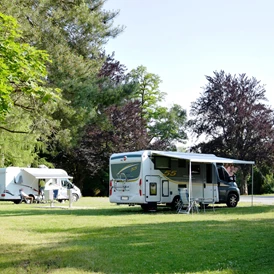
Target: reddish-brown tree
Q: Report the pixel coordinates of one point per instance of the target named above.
(233, 116)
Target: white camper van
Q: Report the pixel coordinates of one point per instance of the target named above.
(149, 178)
(12, 179)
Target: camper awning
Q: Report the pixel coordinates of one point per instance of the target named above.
(47, 173)
(201, 158)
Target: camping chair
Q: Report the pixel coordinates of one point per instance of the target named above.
(187, 205)
(193, 205)
(184, 201)
(24, 198)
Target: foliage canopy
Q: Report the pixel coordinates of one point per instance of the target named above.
(232, 113)
(23, 71)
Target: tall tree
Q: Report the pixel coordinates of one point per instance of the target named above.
(148, 92)
(165, 126)
(74, 34)
(25, 101)
(23, 71)
(120, 129)
(169, 125)
(103, 134)
(232, 114)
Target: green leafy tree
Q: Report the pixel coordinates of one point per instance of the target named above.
(263, 180)
(73, 33)
(88, 161)
(23, 71)
(165, 126)
(148, 92)
(231, 113)
(120, 129)
(170, 125)
(25, 101)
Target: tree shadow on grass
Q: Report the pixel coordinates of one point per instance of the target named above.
(238, 246)
(32, 210)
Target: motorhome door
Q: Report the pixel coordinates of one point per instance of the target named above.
(210, 188)
(153, 191)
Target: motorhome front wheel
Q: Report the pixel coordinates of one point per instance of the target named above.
(232, 200)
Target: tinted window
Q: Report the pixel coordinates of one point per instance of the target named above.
(195, 169)
(182, 163)
(162, 162)
(153, 189)
(209, 173)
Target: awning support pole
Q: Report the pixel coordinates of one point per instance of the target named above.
(190, 184)
(252, 185)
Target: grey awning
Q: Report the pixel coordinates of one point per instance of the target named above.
(47, 173)
(199, 157)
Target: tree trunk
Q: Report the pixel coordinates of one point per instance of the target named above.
(244, 188)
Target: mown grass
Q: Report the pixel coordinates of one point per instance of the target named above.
(98, 237)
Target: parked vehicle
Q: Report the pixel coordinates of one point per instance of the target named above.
(12, 179)
(149, 178)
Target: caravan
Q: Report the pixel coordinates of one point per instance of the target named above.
(13, 179)
(149, 178)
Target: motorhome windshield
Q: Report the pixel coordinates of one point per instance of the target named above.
(127, 171)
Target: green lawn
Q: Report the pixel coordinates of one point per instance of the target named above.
(95, 236)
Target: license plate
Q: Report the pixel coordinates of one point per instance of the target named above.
(124, 198)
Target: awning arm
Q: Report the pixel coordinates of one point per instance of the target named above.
(190, 184)
(252, 176)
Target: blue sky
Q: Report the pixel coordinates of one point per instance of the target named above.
(182, 41)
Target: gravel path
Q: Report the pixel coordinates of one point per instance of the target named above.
(267, 200)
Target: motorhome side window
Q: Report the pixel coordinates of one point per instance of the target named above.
(165, 188)
(153, 189)
(209, 173)
(195, 169)
(182, 163)
(162, 162)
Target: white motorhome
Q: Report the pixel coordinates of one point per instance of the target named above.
(149, 178)
(12, 179)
